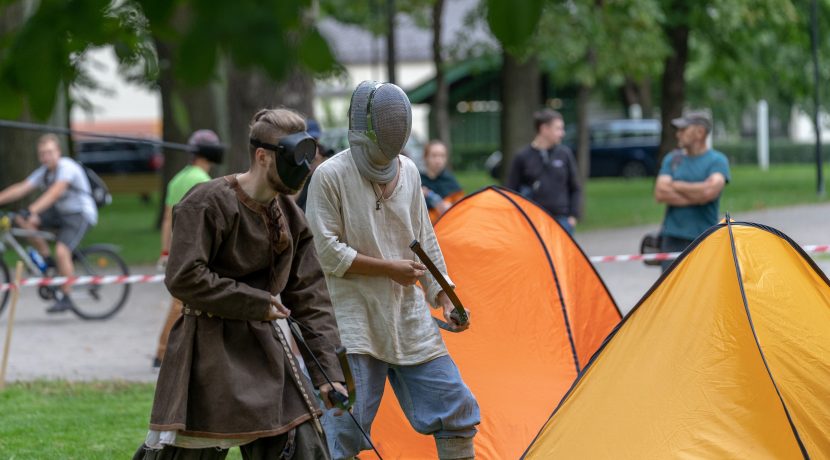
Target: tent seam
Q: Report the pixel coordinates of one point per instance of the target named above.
(555, 279)
(757, 342)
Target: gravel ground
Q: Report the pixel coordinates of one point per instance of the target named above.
(63, 346)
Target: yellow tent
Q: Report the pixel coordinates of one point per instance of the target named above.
(727, 356)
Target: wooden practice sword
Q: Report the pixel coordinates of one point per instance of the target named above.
(459, 314)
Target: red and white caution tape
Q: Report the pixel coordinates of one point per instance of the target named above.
(636, 257)
(85, 280)
(810, 248)
(132, 279)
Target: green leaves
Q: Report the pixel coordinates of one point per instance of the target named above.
(513, 22)
(315, 52)
(41, 52)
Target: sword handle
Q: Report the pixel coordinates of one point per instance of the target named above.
(459, 314)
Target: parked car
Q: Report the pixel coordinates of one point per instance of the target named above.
(619, 148)
(337, 139)
(119, 157)
(125, 166)
(626, 148)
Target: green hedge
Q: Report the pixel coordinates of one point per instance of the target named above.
(780, 151)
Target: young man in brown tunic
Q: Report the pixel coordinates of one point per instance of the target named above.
(228, 378)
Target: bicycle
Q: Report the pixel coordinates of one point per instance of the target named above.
(91, 301)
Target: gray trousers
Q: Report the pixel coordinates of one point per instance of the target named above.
(301, 443)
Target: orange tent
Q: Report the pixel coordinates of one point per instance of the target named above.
(727, 356)
(538, 311)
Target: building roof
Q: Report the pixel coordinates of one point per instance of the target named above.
(352, 44)
(424, 92)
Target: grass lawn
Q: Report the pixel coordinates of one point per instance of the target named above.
(130, 224)
(61, 420)
(612, 202)
(50, 420)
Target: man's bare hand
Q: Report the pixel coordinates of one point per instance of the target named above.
(326, 389)
(448, 308)
(162, 263)
(277, 310)
(572, 221)
(405, 272)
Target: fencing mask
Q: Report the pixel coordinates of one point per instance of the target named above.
(380, 119)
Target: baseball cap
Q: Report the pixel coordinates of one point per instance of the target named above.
(693, 118)
(203, 137)
(205, 143)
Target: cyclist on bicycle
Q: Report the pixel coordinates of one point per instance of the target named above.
(66, 206)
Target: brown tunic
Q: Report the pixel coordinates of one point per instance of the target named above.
(226, 375)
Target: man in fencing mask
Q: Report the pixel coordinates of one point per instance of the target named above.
(365, 206)
(380, 119)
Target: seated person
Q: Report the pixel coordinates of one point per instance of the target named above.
(66, 206)
(440, 188)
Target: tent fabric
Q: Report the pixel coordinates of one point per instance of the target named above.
(727, 356)
(514, 268)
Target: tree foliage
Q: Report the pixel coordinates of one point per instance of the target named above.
(274, 36)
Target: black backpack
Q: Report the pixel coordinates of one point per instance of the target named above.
(97, 188)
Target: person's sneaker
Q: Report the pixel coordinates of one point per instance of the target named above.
(50, 262)
(62, 304)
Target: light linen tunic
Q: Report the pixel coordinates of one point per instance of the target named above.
(375, 315)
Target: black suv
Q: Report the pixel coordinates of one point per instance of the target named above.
(619, 148)
(119, 157)
(626, 148)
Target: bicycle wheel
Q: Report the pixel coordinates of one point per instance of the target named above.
(104, 300)
(4, 278)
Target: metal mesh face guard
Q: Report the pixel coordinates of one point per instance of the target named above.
(359, 107)
(390, 119)
(380, 120)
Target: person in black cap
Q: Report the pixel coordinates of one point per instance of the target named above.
(690, 183)
(207, 152)
(323, 154)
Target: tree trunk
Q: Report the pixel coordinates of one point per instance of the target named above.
(184, 110)
(440, 104)
(248, 92)
(18, 149)
(521, 95)
(630, 94)
(673, 90)
(391, 56)
(583, 150)
(646, 100)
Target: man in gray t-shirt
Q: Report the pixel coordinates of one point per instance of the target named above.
(66, 206)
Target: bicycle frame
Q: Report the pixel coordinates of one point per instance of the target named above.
(8, 239)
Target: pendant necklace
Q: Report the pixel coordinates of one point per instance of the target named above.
(379, 195)
(380, 191)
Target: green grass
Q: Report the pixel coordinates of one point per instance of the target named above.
(49, 420)
(613, 202)
(130, 224)
(62, 420)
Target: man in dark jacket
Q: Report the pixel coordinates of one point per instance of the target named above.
(228, 377)
(545, 171)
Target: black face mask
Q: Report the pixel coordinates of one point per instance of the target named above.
(295, 153)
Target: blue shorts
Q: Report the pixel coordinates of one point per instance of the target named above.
(432, 395)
